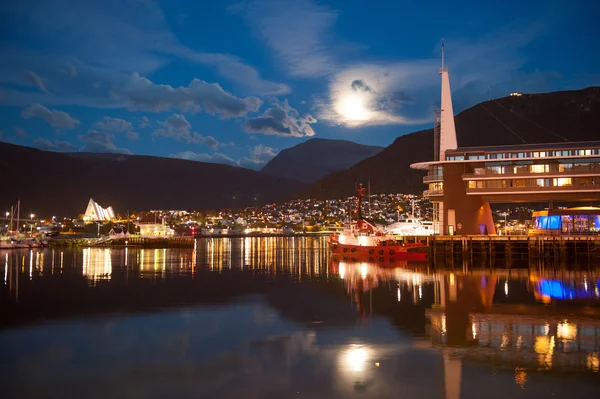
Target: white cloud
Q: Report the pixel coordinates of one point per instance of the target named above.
(233, 69)
(114, 125)
(36, 80)
(57, 145)
(296, 30)
(178, 128)
(142, 94)
(53, 117)
(106, 42)
(131, 135)
(216, 157)
(96, 141)
(259, 156)
(281, 120)
(381, 93)
(144, 122)
(20, 132)
(376, 94)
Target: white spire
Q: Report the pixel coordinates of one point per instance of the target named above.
(447, 128)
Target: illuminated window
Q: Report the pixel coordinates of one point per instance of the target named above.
(562, 181)
(539, 168)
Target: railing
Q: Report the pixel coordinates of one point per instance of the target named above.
(529, 188)
(430, 178)
(429, 193)
(552, 172)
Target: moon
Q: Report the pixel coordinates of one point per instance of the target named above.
(352, 107)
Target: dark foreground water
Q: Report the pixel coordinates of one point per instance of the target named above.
(278, 318)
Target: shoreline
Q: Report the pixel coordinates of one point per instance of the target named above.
(159, 242)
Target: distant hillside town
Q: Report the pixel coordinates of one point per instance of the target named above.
(291, 217)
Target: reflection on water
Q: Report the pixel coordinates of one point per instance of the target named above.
(278, 317)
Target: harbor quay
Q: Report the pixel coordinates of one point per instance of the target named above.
(487, 251)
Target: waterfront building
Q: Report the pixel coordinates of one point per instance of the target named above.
(153, 225)
(95, 213)
(580, 220)
(463, 181)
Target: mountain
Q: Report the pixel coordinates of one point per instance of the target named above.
(50, 183)
(530, 118)
(316, 158)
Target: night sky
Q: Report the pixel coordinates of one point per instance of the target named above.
(236, 82)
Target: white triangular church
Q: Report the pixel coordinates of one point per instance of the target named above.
(95, 213)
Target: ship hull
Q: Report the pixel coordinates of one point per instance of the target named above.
(414, 253)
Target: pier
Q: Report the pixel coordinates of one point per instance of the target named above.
(487, 250)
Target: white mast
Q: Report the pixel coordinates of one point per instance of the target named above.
(447, 128)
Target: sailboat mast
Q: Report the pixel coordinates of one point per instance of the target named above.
(12, 213)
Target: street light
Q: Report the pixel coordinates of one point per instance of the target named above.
(31, 230)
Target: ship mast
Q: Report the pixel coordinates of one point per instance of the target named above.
(360, 195)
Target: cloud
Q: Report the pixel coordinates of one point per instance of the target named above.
(178, 128)
(141, 94)
(97, 141)
(373, 94)
(35, 80)
(53, 117)
(57, 145)
(216, 157)
(20, 132)
(234, 69)
(131, 135)
(71, 69)
(144, 122)
(360, 85)
(281, 120)
(259, 156)
(114, 125)
(296, 30)
(106, 42)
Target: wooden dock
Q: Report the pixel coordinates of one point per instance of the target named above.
(489, 250)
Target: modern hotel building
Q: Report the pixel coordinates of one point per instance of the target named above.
(464, 181)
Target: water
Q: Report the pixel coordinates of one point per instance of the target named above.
(278, 318)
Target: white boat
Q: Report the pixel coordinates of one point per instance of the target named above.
(6, 243)
(411, 227)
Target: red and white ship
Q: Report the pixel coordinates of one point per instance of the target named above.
(361, 239)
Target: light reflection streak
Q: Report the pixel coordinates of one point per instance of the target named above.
(97, 264)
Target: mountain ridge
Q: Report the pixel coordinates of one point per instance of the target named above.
(325, 155)
(62, 183)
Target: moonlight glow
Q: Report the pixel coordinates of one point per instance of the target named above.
(352, 107)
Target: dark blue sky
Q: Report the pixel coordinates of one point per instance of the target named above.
(236, 82)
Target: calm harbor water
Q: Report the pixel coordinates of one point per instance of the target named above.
(278, 318)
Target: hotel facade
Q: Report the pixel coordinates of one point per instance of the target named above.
(463, 181)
